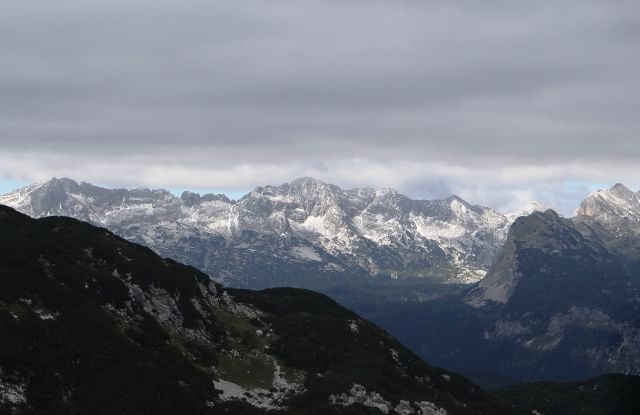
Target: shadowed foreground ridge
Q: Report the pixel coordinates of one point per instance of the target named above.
(101, 325)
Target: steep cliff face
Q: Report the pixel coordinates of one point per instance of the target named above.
(541, 233)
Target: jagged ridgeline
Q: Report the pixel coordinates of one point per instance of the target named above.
(306, 233)
(91, 323)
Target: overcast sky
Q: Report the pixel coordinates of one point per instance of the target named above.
(501, 102)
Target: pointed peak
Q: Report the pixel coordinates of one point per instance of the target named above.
(306, 183)
(309, 185)
(615, 202)
(302, 187)
(456, 201)
(620, 190)
(59, 185)
(456, 198)
(64, 181)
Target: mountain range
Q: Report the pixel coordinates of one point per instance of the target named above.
(512, 298)
(561, 301)
(305, 233)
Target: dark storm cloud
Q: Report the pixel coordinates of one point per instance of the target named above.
(408, 94)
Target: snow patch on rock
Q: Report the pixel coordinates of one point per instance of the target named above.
(12, 393)
(240, 308)
(429, 408)
(358, 394)
(260, 397)
(306, 253)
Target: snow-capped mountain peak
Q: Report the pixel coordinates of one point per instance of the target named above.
(617, 199)
(616, 208)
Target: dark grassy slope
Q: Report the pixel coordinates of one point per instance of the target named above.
(85, 360)
(604, 395)
(90, 323)
(314, 338)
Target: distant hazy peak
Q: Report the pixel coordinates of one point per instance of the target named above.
(528, 209)
(620, 188)
(307, 182)
(456, 198)
(61, 181)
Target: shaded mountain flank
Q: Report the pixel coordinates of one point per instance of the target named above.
(92, 323)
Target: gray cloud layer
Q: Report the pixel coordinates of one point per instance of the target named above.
(500, 101)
